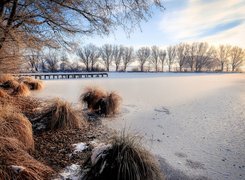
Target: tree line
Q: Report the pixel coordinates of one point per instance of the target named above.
(183, 57)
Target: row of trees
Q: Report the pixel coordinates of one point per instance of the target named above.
(194, 57)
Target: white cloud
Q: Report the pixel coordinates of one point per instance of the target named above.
(234, 36)
(199, 16)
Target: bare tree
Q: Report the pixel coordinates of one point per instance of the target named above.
(107, 55)
(155, 53)
(237, 56)
(127, 56)
(191, 58)
(51, 60)
(43, 66)
(94, 57)
(33, 60)
(64, 62)
(117, 55)
(88, 56)
(204, 56)
(143, 54)
(84, 53)
(75, 66)
(182, 53)
(171, 53)
(45, 22)
(222, 55)
(162, 57)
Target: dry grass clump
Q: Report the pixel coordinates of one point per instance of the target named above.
(101, 102)
(32, 83)
(6, 77)
(21, 90)
(122, 160)
(91, 96)
(26, 105)
(110, 104)
(10, 84)
(15, 163)
(59, 114)
(15, 125)
(3, 94)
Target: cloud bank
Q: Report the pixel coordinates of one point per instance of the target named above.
(217, 22)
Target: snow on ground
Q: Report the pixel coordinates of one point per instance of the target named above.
(79, 147)
(195, 123)
(71, 172)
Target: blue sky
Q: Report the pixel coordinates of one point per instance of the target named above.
(213, 21)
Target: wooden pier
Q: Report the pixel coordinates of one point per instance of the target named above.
(45, 76)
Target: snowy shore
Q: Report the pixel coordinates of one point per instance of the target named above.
(194, 123)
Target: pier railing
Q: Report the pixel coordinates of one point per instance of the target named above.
(45, 76)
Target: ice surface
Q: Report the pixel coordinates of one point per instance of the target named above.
(194, 121)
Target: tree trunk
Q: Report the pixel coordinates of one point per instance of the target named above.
(9, 23)
(180, 68)
(142, 68)
(222, 66)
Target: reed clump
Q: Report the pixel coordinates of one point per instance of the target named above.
(58, 114)
(16, 163)
(3, 93)
(6, 77)
(101, 102)
(92, 96)
(16, 125)
(21, 90)
(123, 159)
(32, 83)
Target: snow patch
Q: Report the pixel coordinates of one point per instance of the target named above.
(79, 147)
(17, 169)
(71, 172)
(94, 143)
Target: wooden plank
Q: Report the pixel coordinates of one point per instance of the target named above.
(62, 75)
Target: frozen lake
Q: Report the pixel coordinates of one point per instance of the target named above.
(195, 123)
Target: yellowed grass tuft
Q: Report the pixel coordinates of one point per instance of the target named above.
(15, 163)
(26, 105)
(91, 96)
(114, 102)
(59, 114)
(21, 90)
(3, 93)
(16, 125)
(6, 77)
(101, 102)
(32, 83)
(123, 159)
(10, 84)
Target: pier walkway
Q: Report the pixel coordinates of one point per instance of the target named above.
(45, 76)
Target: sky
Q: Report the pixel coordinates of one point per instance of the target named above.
(213, 21)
